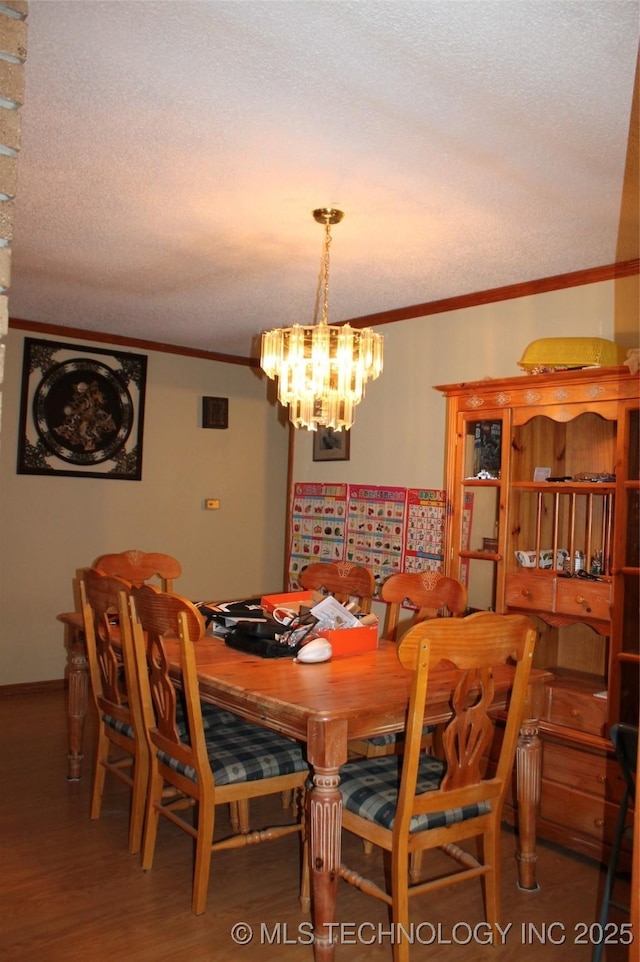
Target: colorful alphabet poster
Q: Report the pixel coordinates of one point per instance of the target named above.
(386, 529)
(424, 541)
(376, 528)
(318, 522)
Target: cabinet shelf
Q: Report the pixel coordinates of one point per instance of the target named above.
(631, 656)
(481, 555)
(566, 487)
(578, 739)
(481, 482)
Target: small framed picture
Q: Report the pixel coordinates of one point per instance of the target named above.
(215, 412)
(541, 474)
(330, 445)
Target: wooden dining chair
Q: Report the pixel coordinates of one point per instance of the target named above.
(121, 744)
(138, 567)
(135, 567)
(206, 767)
(342, 579)
(414, 802)
(421, 595)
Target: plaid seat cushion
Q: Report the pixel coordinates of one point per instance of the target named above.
(370, 789)
(245, 753)
(212, 717)
(381, 741)
(123, 727)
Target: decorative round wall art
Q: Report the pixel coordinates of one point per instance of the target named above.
(82, 411)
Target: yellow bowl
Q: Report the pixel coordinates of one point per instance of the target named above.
(562, 353)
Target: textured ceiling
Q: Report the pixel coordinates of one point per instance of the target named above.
(172, 153)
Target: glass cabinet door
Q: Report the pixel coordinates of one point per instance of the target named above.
(478, 511)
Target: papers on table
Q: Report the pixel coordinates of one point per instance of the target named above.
(331, 614)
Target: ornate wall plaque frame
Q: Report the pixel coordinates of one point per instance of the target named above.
(81, 411)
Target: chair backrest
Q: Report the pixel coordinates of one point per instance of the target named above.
(165, 624)
(137, 567)
(342, 579)
(479, 648)
(99, 595)
(428, 593)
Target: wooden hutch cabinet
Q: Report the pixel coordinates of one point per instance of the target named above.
(544, 518)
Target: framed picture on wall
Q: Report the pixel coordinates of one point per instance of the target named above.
(81, 411)
(330, 445)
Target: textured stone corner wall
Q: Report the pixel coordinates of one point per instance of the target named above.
(13, 52)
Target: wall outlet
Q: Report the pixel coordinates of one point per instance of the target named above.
(212, 504)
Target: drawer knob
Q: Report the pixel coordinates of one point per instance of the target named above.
(526, 593)
(574, 713)
(602, 779)
(599, 822)
(579, 600)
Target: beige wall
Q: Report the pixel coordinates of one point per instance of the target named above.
(627, 323)
(49, 526)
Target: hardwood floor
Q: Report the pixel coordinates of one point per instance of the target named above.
(70, 891)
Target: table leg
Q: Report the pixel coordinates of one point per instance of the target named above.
(327, 751)
(78, 682)
(529, 773)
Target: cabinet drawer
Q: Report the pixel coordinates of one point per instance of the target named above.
(583, 598)
(577, 811)
(576, 709)
(594, 774)
(524, 590)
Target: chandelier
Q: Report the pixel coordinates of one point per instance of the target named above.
(322, 369)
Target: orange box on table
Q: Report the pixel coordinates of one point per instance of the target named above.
(291, 600)
(344, 641)
(349, 641)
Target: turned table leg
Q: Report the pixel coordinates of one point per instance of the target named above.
(529, 772)
(327, 750)
(78, 690)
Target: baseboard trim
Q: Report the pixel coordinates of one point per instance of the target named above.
(33, 687)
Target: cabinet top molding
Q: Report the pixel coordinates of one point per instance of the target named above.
(604, 383)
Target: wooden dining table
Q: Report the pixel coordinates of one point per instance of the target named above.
(325, 706)
(352, 697)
